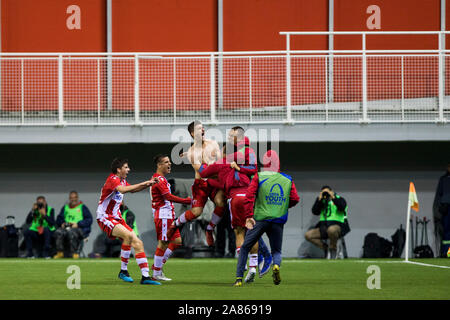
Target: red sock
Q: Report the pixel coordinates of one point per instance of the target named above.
(185, 217)
(190, 216)
(173, 246)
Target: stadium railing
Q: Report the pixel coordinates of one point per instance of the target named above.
(288, 86)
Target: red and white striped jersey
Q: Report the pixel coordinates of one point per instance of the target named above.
(110, 198)
(162, 208)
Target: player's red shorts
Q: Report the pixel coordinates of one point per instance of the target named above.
(107, 225)
(236, 206)
(201, 191)
(161, 226)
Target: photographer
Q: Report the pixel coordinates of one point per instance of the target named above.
(332, 209)
(74, 225)
(42, 220)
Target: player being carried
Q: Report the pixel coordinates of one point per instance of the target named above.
(234, 172)
(202, 151)
(164, 214)
(109, 218)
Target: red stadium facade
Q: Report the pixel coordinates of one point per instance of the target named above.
(191, 26)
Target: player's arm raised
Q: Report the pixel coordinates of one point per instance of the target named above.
(137, 187)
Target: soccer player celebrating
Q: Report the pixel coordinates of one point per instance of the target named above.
(110, 220)
(235, 180)
(269, 196)
(202, 151)
(164, 215)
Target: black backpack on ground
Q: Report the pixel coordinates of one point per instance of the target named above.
(376, 246)
(9, 241)
(398, 241)
(423, 250)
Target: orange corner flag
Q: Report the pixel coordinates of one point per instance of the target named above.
(413, 202)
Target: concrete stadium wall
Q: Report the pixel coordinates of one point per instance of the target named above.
(372, 177)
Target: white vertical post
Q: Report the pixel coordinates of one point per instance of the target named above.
(60, 91)
(442, 47)
(22, 93)
(441, 77)
(109, 50)
(250, 83)
(364, 78)
(174, 90)
(212, 88)
(288, 79)
(326, 89)
(98, 90)
(330, 47)
(220, 56)
(408, 226)
(403, 86)
(1, 61)
(136, 89)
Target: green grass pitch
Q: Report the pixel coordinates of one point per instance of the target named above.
(212, 279)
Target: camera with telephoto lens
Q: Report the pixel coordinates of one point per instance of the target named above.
(326, 196)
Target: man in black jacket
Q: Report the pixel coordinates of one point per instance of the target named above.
(441, 213)
(332, 209)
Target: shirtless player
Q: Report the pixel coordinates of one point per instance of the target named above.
(202, 151)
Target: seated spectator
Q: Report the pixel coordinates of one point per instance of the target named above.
(42, 220)
(74, 225)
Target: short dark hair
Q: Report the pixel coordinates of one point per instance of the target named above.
(239, 130)
(118, 163)
(40, 197)
(73, 191)
(157, 159)
(192, 125)
(326, 187)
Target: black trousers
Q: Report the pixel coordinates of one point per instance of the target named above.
(73, 236)
(33, 236)
(274, 232)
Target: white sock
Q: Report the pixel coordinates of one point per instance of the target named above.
(157, 263)
(181, 219)
(167, 255)
(253, 260)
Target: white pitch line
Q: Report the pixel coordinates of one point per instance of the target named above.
(209, 260)
(426, 264)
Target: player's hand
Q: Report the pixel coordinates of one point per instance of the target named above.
(235, 166)
(183, 154)
(154, 181)
(250, 223)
